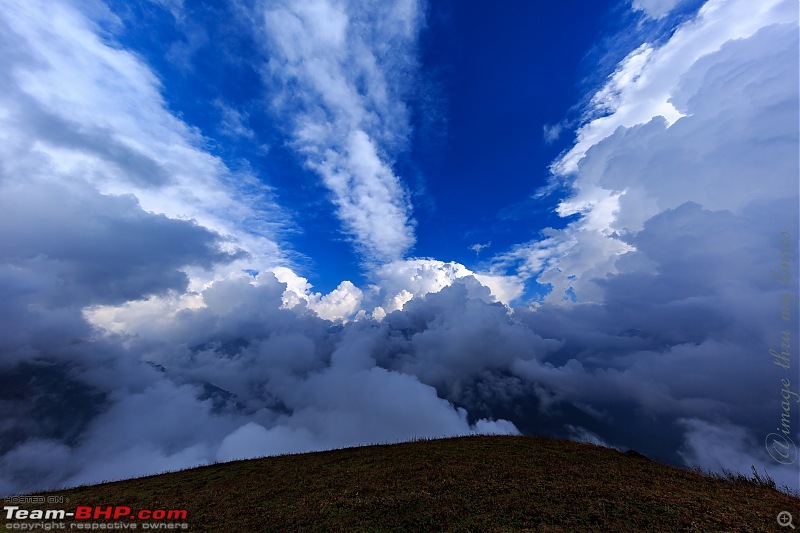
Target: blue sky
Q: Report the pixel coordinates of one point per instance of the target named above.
(478, 100)
(488, 112)
(269, 226)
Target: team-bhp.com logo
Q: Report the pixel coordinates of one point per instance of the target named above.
(85, 512)
(86, 517)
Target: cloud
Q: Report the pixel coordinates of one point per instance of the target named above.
(105, 166)
(711, 155)
(72, 247)
(106, 250)
(661, 289)
(399, 281)
(551, 133)
(175, 7)
(655, 9)
(77, 106)
(583, 435)
(340, 72)
(341, 303)
(392, 285)
(253, 440)
(478, 247)
(233, 122)
(718, 447)
(107, 200)
(245, 377)
(641, 86)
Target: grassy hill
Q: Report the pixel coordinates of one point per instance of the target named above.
(460, 484)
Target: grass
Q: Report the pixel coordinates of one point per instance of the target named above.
(756, 479)
(461, 484)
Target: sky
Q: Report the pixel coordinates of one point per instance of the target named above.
(240, 229)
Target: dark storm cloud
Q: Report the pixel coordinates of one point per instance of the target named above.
(86, 248)
(68, 247)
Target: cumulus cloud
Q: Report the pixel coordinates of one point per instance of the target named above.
(661, 290)
(253, 378)
(107, 199)
(641, 86)
(399, 281)
(340, 71)
(106, 248)
(629, 168)
(392, 286)
(341, 303)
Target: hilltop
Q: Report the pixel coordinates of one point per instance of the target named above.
(486, 483)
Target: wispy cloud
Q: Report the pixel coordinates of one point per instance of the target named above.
(477, 247)
(552, 132)
(175, 7)
(655, 9)
(340, 71)
(233, 122)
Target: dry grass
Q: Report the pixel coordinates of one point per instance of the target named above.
(461, 484)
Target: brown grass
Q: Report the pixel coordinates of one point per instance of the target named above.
(460, 484)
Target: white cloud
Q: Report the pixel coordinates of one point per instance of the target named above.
(341, 303)
(400, 281)
(681, 126)
(77, 106)
(395, 302)
(551, 133)
(175, 7)
(725, 446)
(419, 276)
(670, 255)
(478, 247)
(344, 68)
(655, 9)
(395, 284)
(641, 87)
(233, 122)
(299, 384)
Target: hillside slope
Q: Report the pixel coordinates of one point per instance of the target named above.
(468, 483)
